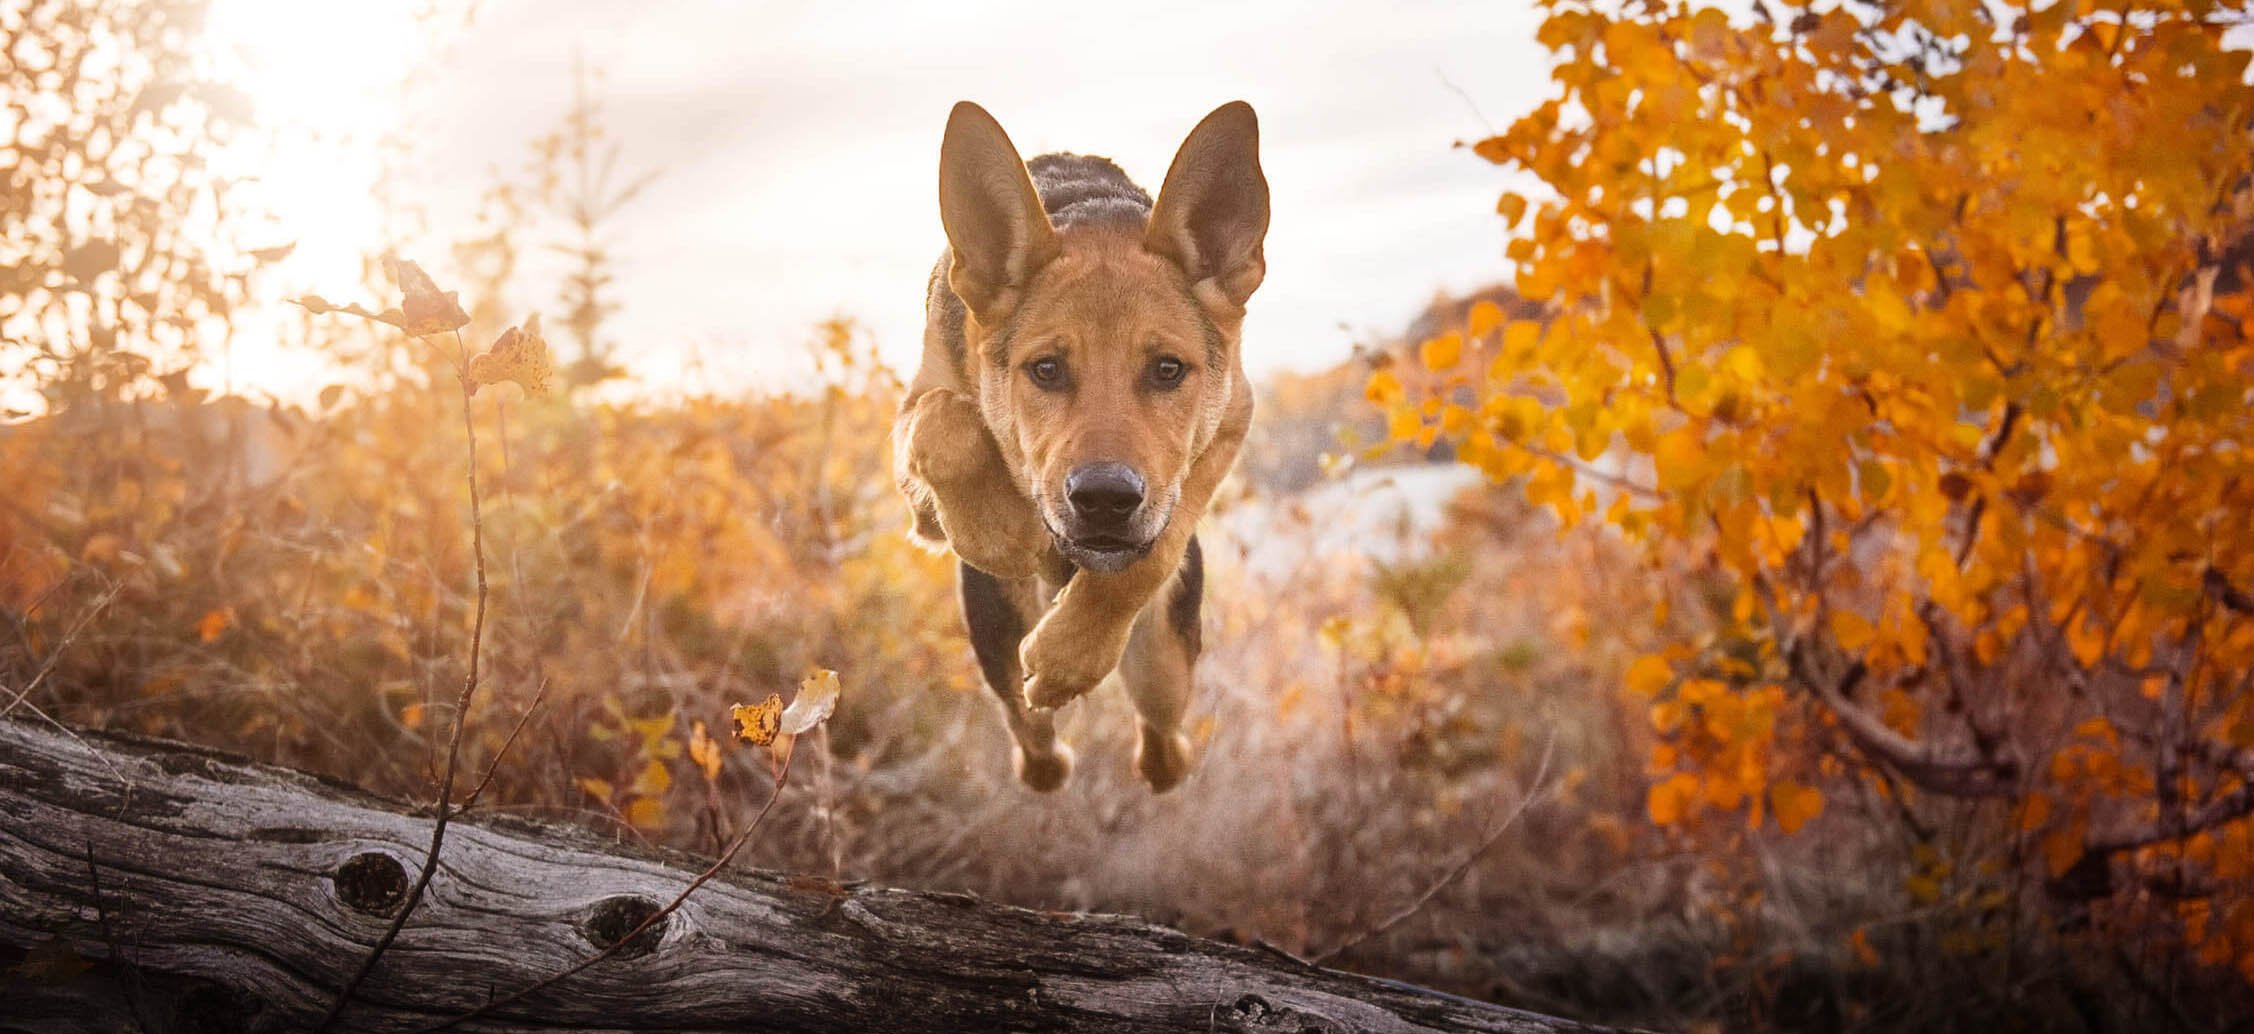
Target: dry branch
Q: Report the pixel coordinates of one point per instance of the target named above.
(236, 896)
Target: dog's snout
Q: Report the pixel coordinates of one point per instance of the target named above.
(1104, 492)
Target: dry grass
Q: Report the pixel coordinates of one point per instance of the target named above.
(1378, 692)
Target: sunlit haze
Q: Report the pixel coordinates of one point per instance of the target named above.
(796, 147)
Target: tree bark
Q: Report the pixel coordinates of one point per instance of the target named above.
(162, 887)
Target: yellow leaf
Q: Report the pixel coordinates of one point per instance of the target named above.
(757, 724)
(519, 356)
(2081, 247)
(645, 813)
(600, 789)
(1383, 388)
(1442, 352)
(1485, 316)
(1402, 423)
(1743, 363)
(653, 780)
(1520, 337)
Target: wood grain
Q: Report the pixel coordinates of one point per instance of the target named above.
(169, 888)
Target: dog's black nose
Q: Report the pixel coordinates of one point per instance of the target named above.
(1104, 492)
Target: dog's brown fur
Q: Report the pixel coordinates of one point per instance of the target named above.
(1075, 327)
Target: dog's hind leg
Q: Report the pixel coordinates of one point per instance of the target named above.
(997, 612)
(1159, 669)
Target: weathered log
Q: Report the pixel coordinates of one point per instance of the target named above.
(162, 887)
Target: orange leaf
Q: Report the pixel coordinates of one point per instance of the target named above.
(2062, 848)
(1669, 801)
(1860, 943)
(645, 813)
(2034, 812)
(1852, 631)
(1442, 352)
(704, 751)
(1650, 674)
(1794, 804)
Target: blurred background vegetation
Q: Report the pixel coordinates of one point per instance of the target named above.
(1400, 652)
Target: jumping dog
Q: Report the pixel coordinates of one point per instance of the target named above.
(1081, 397)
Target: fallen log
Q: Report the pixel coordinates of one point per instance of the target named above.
(154, 886)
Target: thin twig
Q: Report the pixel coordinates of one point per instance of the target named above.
(1587, 470)
(1470, 104)
(495, 764)
(1538, 790)
(461, 718)
(54, 656)
(781, 779)
(23, 696)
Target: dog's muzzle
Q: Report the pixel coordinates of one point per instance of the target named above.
(1106, 523)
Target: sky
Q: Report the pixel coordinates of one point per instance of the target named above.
(796, 147)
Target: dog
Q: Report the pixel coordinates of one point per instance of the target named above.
(1080, 398)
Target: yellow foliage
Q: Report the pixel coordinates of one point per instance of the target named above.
(1957, 388)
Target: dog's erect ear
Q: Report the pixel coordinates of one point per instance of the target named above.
(1212, 214)
(993, 216)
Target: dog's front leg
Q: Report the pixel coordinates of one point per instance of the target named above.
(1086, 630)
(960, 487)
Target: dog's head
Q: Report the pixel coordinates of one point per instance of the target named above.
(1105, 348)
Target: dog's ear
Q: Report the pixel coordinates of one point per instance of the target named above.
(1212, 214)
(995, 224)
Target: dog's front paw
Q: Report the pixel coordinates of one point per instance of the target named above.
(948, 444)
(1004, 538)
(1060, 667)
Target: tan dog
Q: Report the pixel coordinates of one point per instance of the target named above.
(1081, 397)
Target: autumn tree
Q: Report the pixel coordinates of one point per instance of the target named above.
(1923, 327)
(117, 238)
(121, 260)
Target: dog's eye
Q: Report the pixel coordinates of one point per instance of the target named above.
(1168, 371)
(1048, 371)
